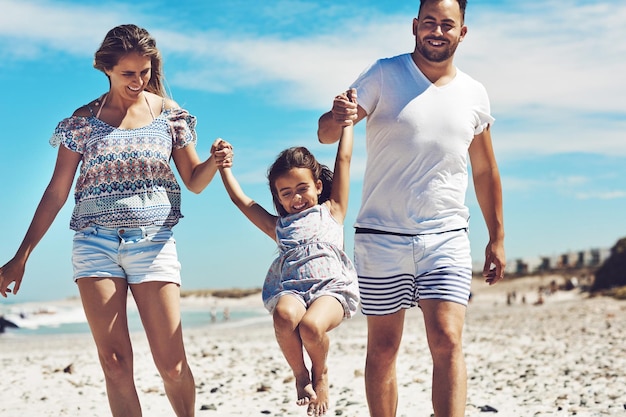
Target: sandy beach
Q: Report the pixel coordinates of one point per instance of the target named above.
(564, 357)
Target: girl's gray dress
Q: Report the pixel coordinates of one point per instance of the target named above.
(312, 262)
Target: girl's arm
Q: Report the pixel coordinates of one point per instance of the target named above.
(251, 209)
(341, 176)
(52, 201)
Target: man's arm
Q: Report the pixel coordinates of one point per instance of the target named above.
(489, 195)
(345, 112)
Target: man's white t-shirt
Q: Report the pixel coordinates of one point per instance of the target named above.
(417, 138)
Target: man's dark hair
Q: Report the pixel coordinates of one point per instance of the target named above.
(462, 6)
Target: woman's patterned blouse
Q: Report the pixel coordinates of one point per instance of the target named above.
(125, 177)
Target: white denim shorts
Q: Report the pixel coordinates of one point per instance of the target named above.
(136, 254)
(397, 271)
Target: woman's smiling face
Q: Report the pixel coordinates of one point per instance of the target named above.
(131, 74)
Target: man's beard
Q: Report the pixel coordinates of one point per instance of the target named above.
(438, 55)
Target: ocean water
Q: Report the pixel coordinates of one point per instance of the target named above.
(67, 317)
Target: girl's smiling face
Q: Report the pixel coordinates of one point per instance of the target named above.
(297, 190)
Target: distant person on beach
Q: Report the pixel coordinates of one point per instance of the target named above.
(127, 200)
(411, 244)
(312, 285)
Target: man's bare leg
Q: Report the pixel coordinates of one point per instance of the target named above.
(444, 328)
(384, 334)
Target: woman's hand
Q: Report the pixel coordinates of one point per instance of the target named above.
(223, 153)
(11, 273)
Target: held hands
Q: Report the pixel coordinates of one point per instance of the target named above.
(11, 272)
(345, 108)
(223, 153)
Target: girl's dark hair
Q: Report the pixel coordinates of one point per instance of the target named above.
(125, 39)
(298, 157)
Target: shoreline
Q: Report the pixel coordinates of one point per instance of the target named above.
(66, 316)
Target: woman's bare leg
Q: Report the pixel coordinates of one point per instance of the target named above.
(159, 307)
(104, 302)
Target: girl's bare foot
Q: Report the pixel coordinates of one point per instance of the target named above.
(319, 407)
(306, 393)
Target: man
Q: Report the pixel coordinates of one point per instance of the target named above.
(424, 116)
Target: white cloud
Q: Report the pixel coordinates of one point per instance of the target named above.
(67, 27)
(562, 135)
(576, 187)
(602, 195)
(316, 67)
(555, 68)
(551, 54)
(546, 53)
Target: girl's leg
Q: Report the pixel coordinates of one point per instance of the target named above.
(158, 304)
(323, 315)
(104, 302)
(287, 315)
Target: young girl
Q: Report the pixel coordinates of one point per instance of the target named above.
(312, 285)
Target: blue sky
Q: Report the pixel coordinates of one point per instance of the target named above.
(259, 74)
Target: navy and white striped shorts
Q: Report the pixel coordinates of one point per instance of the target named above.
(396, 271)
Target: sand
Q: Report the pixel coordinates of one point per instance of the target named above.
(564, 357)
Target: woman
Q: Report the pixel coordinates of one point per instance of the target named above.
(127, 201)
